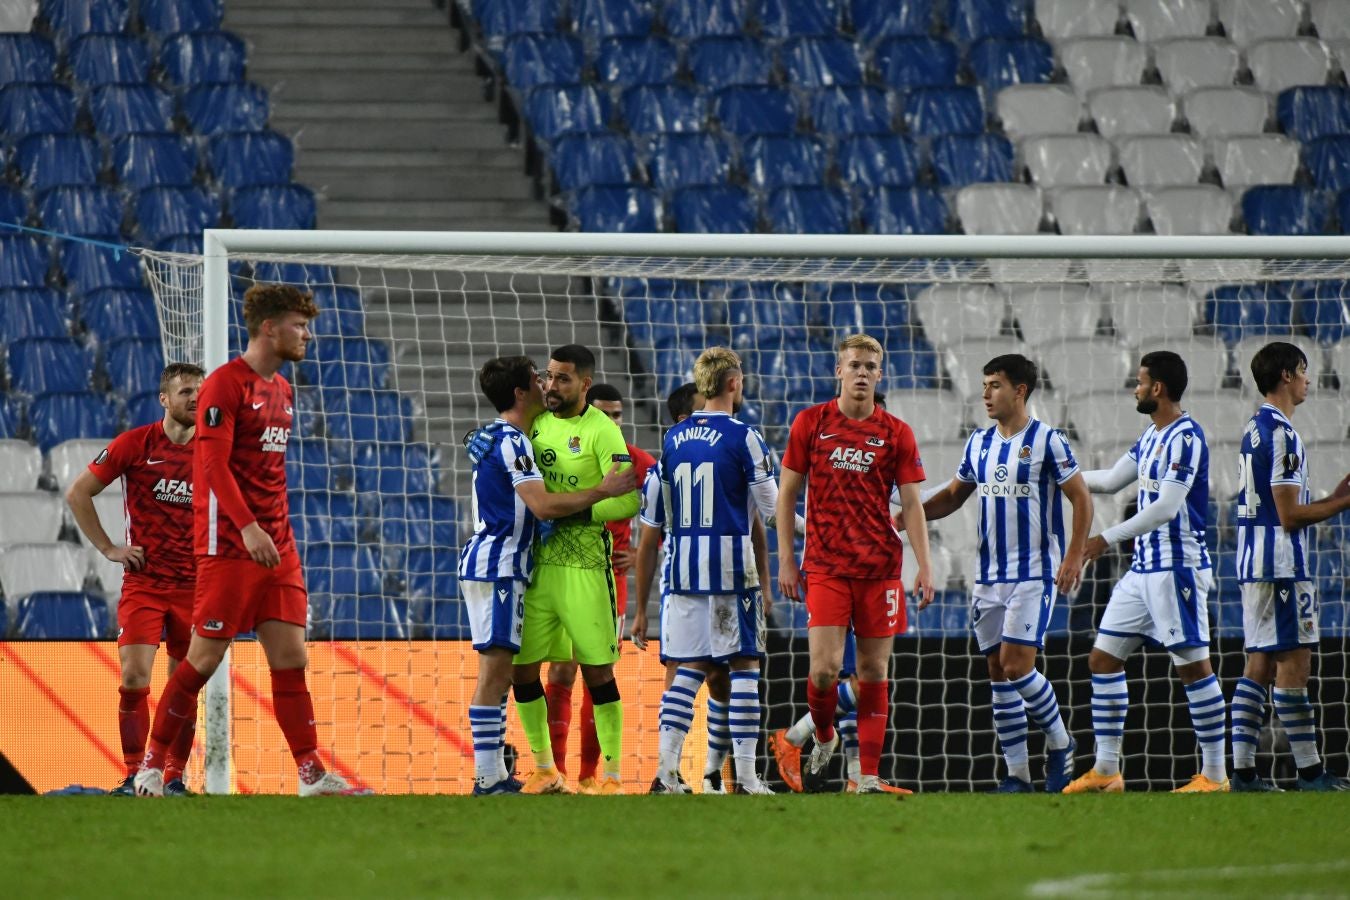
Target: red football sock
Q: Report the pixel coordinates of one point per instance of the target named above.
(822, 705)
(874, 707)
(133, 723)
(295, 715)
(559, 700)
(177, 705)
(176, 759)
(590, 741)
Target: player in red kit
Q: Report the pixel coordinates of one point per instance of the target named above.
(248, 570)
(852, 454)
(154, 463)
(563, 676)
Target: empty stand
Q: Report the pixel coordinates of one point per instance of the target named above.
(1031, 109)
(1248, 21)
(1101, 62)
(1153, 20)
(1065, 19)
(1188, 63)
(1065, 160)
(20, 466)
(1253, 160)
(1108, 209)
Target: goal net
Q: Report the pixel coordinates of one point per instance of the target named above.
(379, 482)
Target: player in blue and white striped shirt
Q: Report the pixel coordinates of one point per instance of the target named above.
(509, 498)
(1162, 598)
(1020, 467)
(1279, 595)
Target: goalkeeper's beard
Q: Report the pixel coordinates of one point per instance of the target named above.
(560, 407)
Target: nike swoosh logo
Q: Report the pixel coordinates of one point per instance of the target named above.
(155, 462)
(826, 437)
(259, 405)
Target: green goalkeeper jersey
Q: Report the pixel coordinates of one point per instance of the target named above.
(574, 455)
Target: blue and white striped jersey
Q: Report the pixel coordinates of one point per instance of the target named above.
(653, 513)
(1177, 453)
(503, 526)
(1272, 453)
(1021, 518)
(708, 465)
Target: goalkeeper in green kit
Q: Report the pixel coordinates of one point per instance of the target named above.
(570, 609)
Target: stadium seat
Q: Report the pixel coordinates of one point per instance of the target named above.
(251, 158)
(144, 408)
(85, 210)
(663, 108)
(713, 209)
(61, 616)
(1160, 160)
(164, 212)
(1153, 20)
(1330, 19)
(1239, 311)
(154, 160)
(312, 275)
(1088, 365)
(1144, 313)
(867, 161)
(795, 18)
(1066, 160)
(31, 313)
(31, 567)
(1280, 64)
(13, 201)
(368, 415)
(766, 313)
(1198, 209)
(169, 16)
(876, 309)
(851, 110)
(1189, 63)
(685, 160)
(11, 417)
(1221, 112)
(1308, 113)
(353, 364)
(134, 365)
(912, 62)
(621, 209)
(308, 420)
(1000, 61)
(71, 18)
(1322, 420)
(821, 62)
(1108, 209)
(44, 365)
(1028, 109)
(500, 19)
(399, 469)
(1132, 110)
(367, 618)
(718, 62)
(1328, 162)
(999, 209)
(1206, 363)
(1066, 19)
(950, 312)
(1248, 21)
(328, 517)
(1105, 423)
(964, 361)
(201, 57)
(445, 618)
(336, 322)
(807, 210)
(1054, 312)
(343, 568)
(35, 108)
(30, 515)
(417, 521)
(119, 109)
(97, 59)
(934, 415)
(900, 210)
(611, 18)
(874, 20)
(703, 18)
(219, 108)
(928, 112)
(624, 61)
(531, 60)
(273, 206)
(1323, 313)
(87, 267)
(26, 58)
(556, 110)
(749, 110)
(23, 261)
(307, 466)
(20, 466)
(57, 417)
(46, 161)
(1275, 326)
(337, 296)
(1286, 209)
(1102, 62)
(1256, 160)
(661, 312)
(69, 458)
(776, 161)
(971, 20)
(962, 159)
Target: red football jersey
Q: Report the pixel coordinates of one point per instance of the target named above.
(243, 425)
(156, 479)
(621, 530)
(851, 466)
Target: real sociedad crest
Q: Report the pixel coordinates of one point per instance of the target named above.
(574, 444)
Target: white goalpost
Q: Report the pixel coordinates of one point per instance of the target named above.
(379, 483)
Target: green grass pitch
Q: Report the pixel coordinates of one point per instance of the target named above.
(520, 847)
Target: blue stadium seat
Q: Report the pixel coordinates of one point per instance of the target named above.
(127, 108)
(273, 206)
(663, 108)
(717, 62)
(109, 59)
(432, 572)
(72, 18)
(911, 363)
(872, 160)
(61, 616)
(500, 19)
(612, 18)
(308, 420)
(51, 160)
(308, 472)
(929, 112)
(1286, 209)
(765, 312)
(776, 161)
(623, 209)
(962, 159)
(877, 309)
(329, 517)
(45, 365)
(899, 210)
(1328, 161)
(1323, 310)
(796, 18)
(88, 267)
(113, 313)
(417, 521)
(164, 212)
(703, 18)
(202, 57)
(134, 365)
(999, 62)
(394, 469)
(35, 108)
(714, 209)
(821, 62)
(685, 160)
(445, 619)
(661, 312)
(749, 110)
(672, 366)
(580, 160)
(296, 273)
(251, 158)
(343, 568)
(971, 20)
(1308, 113)
(83, 210)
(144, 408)
(1240, 311)
(530, 60)
(346, 364)
(637, 60)
(13, 203)
(369, 415)
(911, 62)
(368, 618)
(24, 261)
(78, 414)
(337, 296)
(335, 322)
(557, 109)
(169, 16)
(220, 108)
(11, 425)
(154, 160)
(807, 210)
(874, 20)
(31, 313)
(26, 58)
(852, 110)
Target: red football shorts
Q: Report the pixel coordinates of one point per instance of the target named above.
(875, 607)
(234, 595)
(146, 612)
(620, 594)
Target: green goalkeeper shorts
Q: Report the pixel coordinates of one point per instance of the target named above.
(570, 614)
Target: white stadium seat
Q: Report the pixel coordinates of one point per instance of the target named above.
(1102, 62)
(108, 573)
(1051, 313)
(1195, 62)
(1160, 160)
(1146, 313)
(934, 415)
(1222, 112)
(1089, 366)
(1206, 362)
(1132, 110)
(68, 459)
(1106, 423)
(965, 361)
(25, 568)
(1059, 160)
(1198, 209)
(1255, 159)
(20, 466)
(1331, 18)
(111, 509)
(1223, 414)
(1288, 62)
(1028, 109)
(1323, 473)
(1339, 357)
(1248, 21)
(999, 209)
(1107, 209)
(941, 458)
(950, 312)
(1064, 19)
(1154, 20)
(1325, 417)
(1223, 480)
(27, 516)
